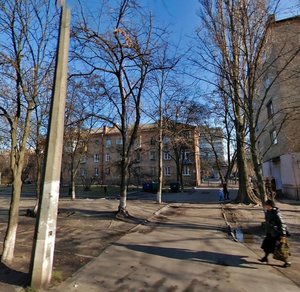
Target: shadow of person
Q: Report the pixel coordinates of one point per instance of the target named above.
(13, 277)
(216, 258)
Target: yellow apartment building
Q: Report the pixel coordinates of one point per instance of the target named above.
(101, 160)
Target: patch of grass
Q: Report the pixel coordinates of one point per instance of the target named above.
(95, 192)
(56, 277)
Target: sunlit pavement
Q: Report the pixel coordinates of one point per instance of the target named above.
(184, 247)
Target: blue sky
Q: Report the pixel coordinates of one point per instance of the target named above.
(181, 15)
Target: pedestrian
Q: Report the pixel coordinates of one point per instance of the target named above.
(221, 195)
(225, 191)
(275, 232)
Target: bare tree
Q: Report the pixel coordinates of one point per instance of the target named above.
(234, 56)
(123, 54)
(161, 89)
(37, 138)
(26, 28)
(179, 130)
(218, 127)
(83, 103)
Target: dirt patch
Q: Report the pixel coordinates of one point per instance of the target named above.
(85, 228)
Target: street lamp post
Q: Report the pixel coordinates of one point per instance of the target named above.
(45, 231)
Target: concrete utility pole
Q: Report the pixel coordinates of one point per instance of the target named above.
(45, 231)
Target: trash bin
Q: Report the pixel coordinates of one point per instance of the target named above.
(175, 187)
(150, 187)
(146, 187)
(155, 186)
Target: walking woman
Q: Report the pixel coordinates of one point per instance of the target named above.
(275, 231)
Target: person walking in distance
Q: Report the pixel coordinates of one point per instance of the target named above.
(225, 191)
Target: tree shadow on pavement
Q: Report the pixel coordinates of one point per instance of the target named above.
(13, 277)
(95, 214)
(72, 212)
(184, 226)
(216, 258)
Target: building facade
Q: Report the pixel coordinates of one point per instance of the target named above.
(211, 148)
(101, 161)
(279, 122)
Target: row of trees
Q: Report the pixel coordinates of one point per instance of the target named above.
(236, 49)
(122, 68)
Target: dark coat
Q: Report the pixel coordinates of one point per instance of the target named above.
(274, 223)
(275, 228)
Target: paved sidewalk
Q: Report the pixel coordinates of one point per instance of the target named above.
(183, 248)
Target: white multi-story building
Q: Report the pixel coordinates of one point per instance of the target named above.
(279, 122)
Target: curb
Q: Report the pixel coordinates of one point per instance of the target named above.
(230, 231)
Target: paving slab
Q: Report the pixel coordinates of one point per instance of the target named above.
(183, 248)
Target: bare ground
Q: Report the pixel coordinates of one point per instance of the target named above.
(84, 229)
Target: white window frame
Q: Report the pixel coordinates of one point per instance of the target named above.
(107, 157)
(108, 143)
(186, 155)
(274, 138)
(119, 141)
(166, 140)
(83, 159)
(270, 109)
(167, 171)
(96, 157)
(152, 155)
(167, 155)
(83, 172)
(96, 171)
(186, 171)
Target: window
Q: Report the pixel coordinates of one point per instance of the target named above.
(273, 135)
(138, 142)
(166, 140)
(108, 143)
(83, 172)
(107, 171)
(83, 159)
(97, 142)
(96, 171)
(167, 170)
(152, 155)
(268, 81)
(186, 156)
(186, 170)
(167, 155)
(270, 109)
(119, 141)
(187, 134)
(152, 141)
(107, 157)
(96, 158)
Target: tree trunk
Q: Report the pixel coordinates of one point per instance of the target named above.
(245, 193)
(160, 163)
(72, 186)
(11, 231)
(257, 166)
(123, 187)
(38, 184)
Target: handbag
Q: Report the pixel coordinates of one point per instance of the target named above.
(282, 250)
